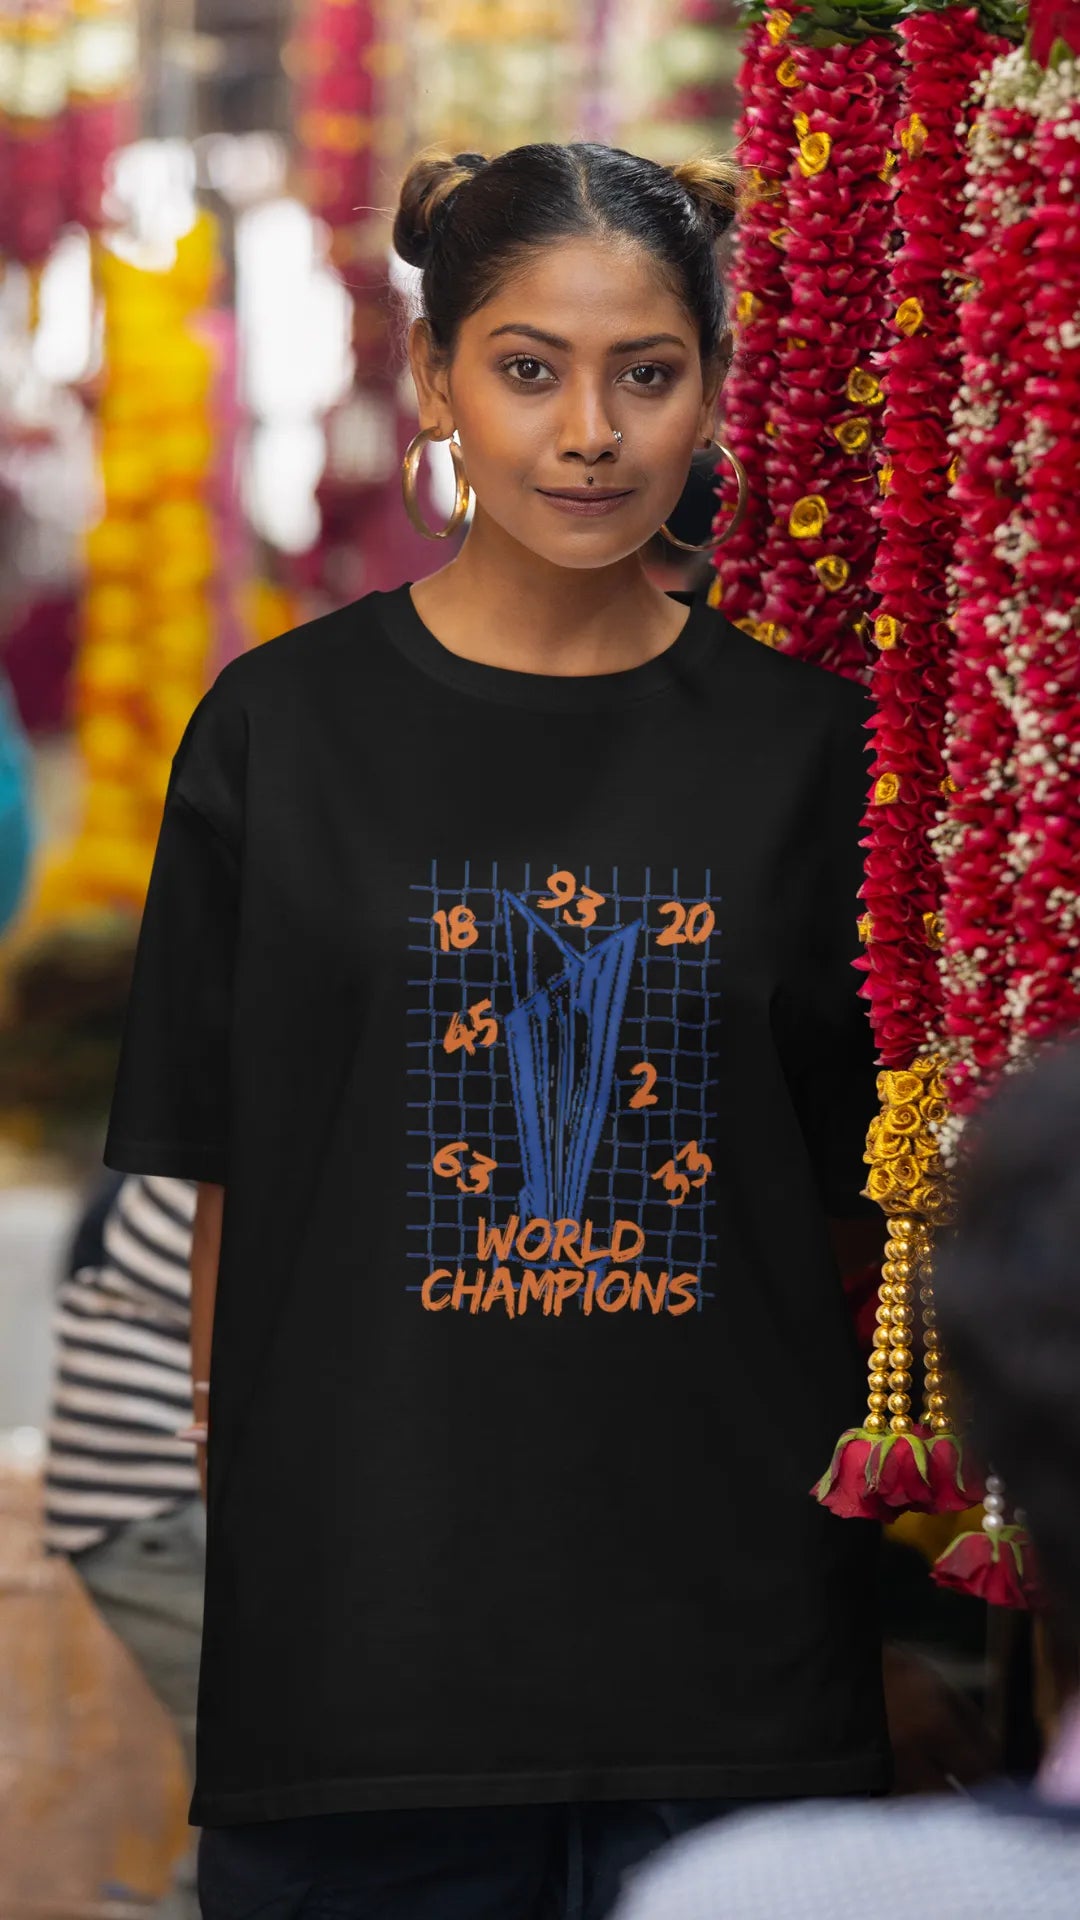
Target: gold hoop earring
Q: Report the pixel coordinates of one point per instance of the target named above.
(410, 467)
(743, 485)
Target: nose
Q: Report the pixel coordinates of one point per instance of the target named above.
(586, 434)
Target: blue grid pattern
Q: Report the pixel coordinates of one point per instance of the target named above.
(669, 1020)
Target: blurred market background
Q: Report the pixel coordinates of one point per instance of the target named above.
(202, 413)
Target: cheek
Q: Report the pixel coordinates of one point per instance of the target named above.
(495, 434)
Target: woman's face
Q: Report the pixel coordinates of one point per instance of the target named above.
(584, 338)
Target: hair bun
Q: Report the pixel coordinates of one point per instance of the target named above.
(712, 184)
(426, 191)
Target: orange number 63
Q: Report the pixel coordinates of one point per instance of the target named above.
(448, 1165)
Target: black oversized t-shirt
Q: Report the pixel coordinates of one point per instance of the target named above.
(516, 1014)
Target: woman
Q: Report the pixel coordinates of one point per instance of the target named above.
(495, 984)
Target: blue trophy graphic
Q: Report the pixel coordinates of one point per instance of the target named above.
(562, 1036)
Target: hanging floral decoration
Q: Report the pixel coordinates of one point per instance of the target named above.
(1043, 995)
(840, 75)
(33, 153)
(759, 294)
(101, 81)
(944, 52)
(1011, 970)
(901, 927)
(340, 60)
(148, 614)
(978, 831)
(68, 71)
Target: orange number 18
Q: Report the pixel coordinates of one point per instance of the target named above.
(456, 928)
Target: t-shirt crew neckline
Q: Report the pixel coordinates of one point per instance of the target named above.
(556, 692)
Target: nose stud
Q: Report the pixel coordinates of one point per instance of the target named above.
(618, 437)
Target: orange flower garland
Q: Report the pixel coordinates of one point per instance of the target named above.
(148, 620)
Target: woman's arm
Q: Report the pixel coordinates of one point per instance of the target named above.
(205, 1256)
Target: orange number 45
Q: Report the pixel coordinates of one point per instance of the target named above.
(481, 1029)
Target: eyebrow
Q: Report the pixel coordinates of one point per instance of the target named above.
(563, 346)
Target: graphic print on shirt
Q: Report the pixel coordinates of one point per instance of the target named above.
(560, 1064)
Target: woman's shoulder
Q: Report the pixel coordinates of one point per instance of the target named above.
(776, 679)
(331, 643)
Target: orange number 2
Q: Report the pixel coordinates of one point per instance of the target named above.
(644, 1097)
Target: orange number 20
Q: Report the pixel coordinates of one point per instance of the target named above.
(692, 925)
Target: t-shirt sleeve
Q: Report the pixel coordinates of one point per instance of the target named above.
(830, 1056)
(170, 1110)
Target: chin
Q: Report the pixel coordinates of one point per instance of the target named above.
(588, 548)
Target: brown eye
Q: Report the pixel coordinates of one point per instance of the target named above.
(650, 376)
(526, 371)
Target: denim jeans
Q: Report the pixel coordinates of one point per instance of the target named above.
(465, 1863)
(146, 1581)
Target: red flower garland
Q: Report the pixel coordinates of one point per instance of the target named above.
(32, 147)
(761, 298)
(944, 53)
(820, 547)
(338, 56)
(101, 112)
(1052, 20)
(1043, 996)
(1009, 841)
(976, 838)
(891, 1465)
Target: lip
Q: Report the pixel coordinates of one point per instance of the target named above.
(586, 500)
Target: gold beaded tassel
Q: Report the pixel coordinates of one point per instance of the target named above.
(936, 1410)
(894, 1463)
(892, 1359)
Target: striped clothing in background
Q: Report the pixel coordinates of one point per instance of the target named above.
(122, 1386)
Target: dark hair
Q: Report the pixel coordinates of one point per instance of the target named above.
(467, 221)
(1008, 1293)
